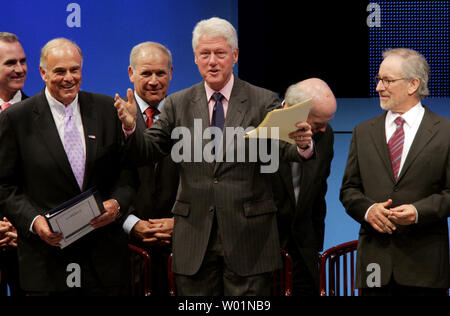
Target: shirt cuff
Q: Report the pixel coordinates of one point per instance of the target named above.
(308, 152)
(367, 212)
(129, 223)
(32, 223)
(127, 132)
(417, 215)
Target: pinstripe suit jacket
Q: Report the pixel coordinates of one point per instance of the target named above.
(238, 194)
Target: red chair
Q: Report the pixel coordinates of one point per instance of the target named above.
(282, 278)
(341, 261)
(140, 271)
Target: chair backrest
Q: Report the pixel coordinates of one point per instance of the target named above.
(140, 271)
(282, 278)
(339, 264)
(171, 277)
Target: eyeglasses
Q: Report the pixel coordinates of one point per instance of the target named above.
(386, 82)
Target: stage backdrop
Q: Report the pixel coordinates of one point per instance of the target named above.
(281, 42)
(107, 30)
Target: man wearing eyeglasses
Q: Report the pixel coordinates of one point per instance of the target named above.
(397, 185)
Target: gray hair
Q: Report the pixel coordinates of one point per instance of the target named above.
(295, 94)
(8, 37)
(57, 42)
(139, 47)
(414, 66)
(215, 27)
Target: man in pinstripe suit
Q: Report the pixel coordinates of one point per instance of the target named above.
(225, 238)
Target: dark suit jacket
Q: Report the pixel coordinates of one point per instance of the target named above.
(158, 185)
(36, 176)
(237, 194)
(415, 255)
(9, 265)
(304, 222)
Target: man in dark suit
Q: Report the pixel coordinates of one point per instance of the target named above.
(300, 189)
(396, 184)
(151, 223)
(40, 170)
(225, 238)
(13, 72)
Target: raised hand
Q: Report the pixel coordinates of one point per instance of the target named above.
(126, 110)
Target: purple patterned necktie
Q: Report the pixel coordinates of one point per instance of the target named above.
(73, 146)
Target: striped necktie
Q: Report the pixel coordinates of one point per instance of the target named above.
(395, 146)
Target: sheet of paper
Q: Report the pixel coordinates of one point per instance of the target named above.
(284, 119)
(74, 221)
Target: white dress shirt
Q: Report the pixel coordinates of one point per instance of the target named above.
(58, 109)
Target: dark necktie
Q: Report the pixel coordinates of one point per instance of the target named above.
(218, 117)
(395, 146)
(150, 113)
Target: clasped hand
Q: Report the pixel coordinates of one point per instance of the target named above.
(8, 234)
(154, 232)
(384, 219)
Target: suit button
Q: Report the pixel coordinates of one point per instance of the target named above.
(396, 189)
(216, 181)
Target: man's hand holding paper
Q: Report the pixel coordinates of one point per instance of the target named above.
(303, 135)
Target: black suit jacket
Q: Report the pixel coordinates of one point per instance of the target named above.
(237, 194)
(414, 255)
(303, 223)
(158, 185)
(36, 176)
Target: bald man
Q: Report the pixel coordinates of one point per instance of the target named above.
(300, 190)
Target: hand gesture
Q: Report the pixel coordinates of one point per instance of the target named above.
(126, 110)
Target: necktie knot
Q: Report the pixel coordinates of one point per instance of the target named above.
(150, 113)
(5, 106)
(217, 96)
(68, 111)
(399, 121)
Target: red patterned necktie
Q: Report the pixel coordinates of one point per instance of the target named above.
(150, 112)
(6, 105)
(395, 146)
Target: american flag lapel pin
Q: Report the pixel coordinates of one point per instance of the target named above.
(92, 137)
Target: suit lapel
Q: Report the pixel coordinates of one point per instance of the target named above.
(426, 131)
(46, 127)
(378, 134)
(89, 118)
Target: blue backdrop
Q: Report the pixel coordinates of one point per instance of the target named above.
(107, 30)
